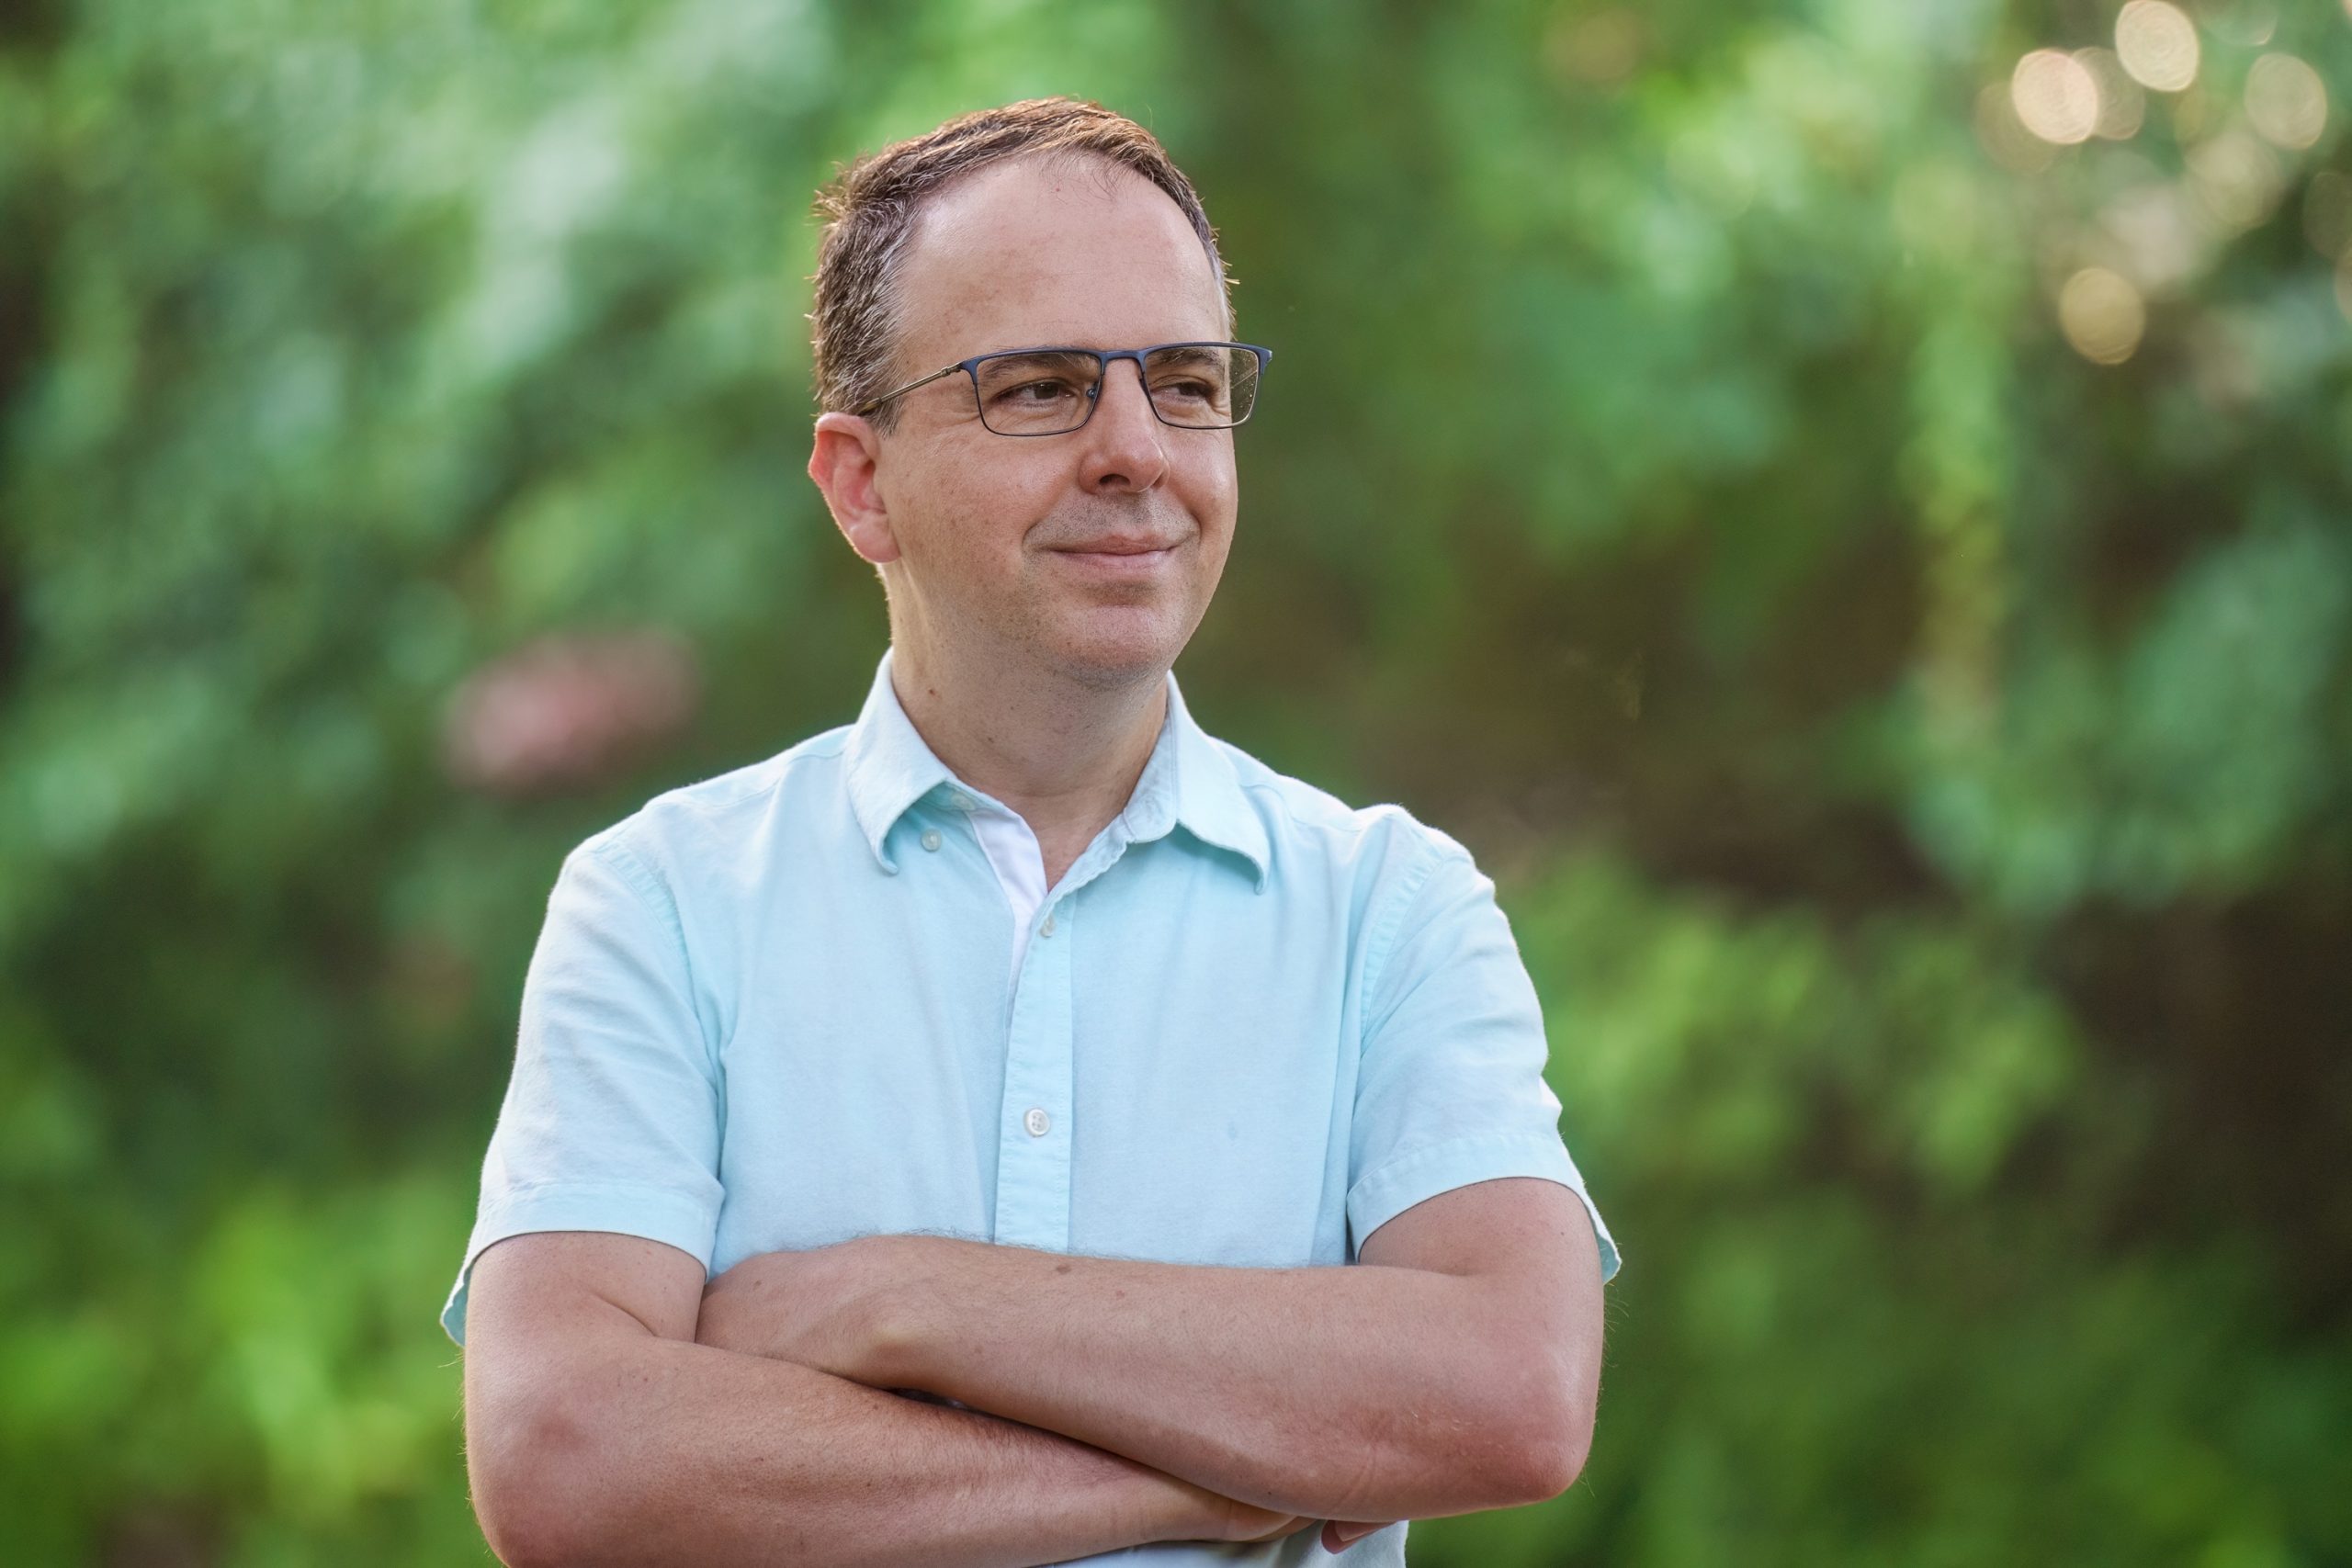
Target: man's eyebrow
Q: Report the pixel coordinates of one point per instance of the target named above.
(1048, 351)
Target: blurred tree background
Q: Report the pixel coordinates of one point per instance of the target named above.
(1842, 504)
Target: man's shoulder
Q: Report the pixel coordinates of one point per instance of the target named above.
(1385, 839)
(712, 820)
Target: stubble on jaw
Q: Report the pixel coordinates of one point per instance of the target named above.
(1035, 629)
(1042, 620)
(1051, 628)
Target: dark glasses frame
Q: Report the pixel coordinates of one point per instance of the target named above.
(1106, 357)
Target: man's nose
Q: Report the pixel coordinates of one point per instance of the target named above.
(1124, 438)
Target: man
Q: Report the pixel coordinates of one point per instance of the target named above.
(1023, 1068)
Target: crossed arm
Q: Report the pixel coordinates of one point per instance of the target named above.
(1112, 1402)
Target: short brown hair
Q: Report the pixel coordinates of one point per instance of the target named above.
(870, 209)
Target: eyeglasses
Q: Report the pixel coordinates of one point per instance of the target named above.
(1052, 391)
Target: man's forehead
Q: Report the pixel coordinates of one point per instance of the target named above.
(1070, 251)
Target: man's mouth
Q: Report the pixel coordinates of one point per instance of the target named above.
(1121, 545)
(1121, 556)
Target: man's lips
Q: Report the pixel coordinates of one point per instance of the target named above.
(1120, 556)
(1120, 546)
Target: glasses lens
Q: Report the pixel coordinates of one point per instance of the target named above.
(1204, 385)
(1035, 394)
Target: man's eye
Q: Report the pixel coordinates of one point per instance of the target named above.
(1044, 392)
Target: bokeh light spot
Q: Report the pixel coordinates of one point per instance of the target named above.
(2285, 101)
(2102, 315)
(2235, 178)
(2159, 243)
(2157, 44)
(2056, 96)
(2242, 24)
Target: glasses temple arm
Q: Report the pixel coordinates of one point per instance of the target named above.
(872, 403)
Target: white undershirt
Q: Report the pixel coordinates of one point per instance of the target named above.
(1020, 865)
(1020, 862)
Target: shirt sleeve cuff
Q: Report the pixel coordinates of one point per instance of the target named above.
(687, 1223)
(1382, 1194)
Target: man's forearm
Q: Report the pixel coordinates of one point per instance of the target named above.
(1360, 1393)
(668, 1451)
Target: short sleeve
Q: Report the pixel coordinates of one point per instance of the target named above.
(611, 1119)
(1451, 1087)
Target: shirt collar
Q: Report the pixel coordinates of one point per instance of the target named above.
(1188, 780)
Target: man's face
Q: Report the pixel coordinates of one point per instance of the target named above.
(991, 530)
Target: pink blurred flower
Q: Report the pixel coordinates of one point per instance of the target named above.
(566, 712)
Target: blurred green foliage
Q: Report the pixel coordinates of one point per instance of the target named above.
(1916, 754)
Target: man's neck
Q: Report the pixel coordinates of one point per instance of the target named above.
(1064, 755)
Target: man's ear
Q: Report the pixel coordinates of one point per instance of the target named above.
(847, 466)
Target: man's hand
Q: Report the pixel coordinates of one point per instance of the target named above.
(1338, 1536)
(1243, 1523)
(819, 1308)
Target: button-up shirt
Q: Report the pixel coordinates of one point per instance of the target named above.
(823, 996)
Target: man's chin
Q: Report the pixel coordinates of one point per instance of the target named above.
(1107, 663)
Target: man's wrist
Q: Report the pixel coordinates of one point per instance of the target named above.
(899, 1313)
(1174, 1509)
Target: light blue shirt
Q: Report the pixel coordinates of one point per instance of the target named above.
(1251, 1025)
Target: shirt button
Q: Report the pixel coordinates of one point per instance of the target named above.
(1047, 929)
(930, 838)
(1037, 1122)
(960, 802)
